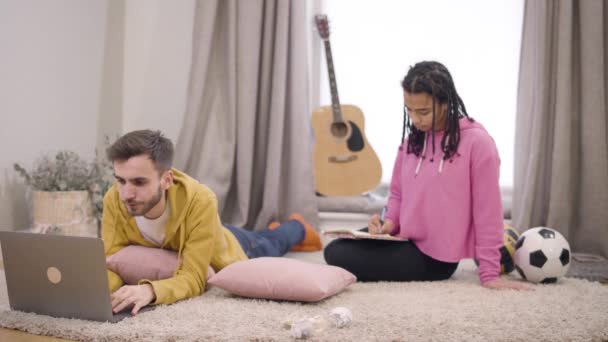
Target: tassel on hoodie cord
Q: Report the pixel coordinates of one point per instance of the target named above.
(422, 155)
(447, 140)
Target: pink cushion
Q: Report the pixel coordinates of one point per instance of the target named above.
(134, 263)
(282, 278)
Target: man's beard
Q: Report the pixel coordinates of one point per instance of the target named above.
(147, 205)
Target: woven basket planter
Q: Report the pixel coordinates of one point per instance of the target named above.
(64, 212)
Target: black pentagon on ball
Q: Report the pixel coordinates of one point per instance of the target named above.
(547, 233)
(520, 242)
(520, 271)
(564, 257)
(537, 258)
(550, 280)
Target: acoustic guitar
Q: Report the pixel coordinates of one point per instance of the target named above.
(345, 164)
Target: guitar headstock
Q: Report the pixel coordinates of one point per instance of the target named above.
(322, 25)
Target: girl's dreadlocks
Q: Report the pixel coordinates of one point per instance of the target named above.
(434, 79)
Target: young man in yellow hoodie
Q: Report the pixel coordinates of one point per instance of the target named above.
(154, 205)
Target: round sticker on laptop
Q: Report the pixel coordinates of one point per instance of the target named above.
(53, 274)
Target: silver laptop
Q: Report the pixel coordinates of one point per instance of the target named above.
(55, 275)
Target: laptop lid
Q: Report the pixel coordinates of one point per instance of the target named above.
(62, 276)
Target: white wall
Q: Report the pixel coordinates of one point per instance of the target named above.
(71, 70)
(50, 77)
(374, 43)
(158, 49)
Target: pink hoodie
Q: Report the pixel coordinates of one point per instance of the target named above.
(451, 210)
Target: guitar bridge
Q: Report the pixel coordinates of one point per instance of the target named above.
(342, 159)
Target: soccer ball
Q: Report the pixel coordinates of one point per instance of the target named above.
(542, 255)
(509, 238)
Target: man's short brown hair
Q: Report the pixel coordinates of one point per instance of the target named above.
(143, 142)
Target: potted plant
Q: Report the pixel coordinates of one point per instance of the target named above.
(67, 193)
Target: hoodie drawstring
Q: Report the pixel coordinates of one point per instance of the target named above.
(182, 242)
(447, 140)
(423, 155)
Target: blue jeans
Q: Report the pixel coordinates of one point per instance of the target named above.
(267, 242)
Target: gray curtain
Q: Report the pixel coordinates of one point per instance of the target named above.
(561, 152)
(246, 132)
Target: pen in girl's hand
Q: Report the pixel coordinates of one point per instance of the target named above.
(382, 213)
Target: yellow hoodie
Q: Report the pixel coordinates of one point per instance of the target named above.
(194, 231)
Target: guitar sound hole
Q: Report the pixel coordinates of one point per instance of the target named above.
(339, 129)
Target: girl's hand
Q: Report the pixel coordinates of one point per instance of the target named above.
(374, 225)
(503, 284)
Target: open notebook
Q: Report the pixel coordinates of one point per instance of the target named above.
(357, 234)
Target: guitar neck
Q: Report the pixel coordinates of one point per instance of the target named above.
(335, 100)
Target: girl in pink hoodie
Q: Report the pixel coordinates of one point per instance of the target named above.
(444, 194)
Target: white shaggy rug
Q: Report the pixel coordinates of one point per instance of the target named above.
(454, 310)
